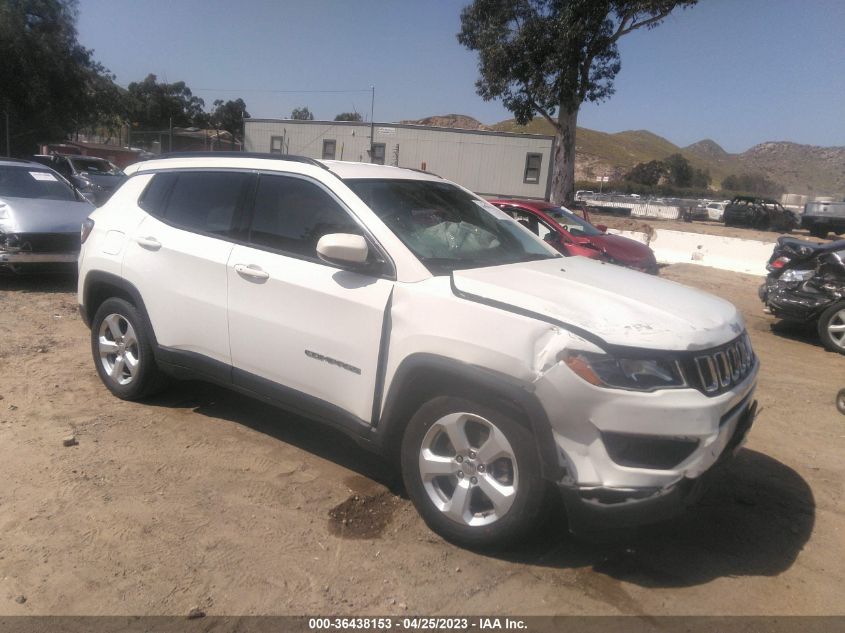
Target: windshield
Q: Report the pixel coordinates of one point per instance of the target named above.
(29, 182)
(448, 228)
(571, 222)
(96, 166)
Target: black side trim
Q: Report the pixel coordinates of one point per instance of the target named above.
(190, 365)
(301, 403)
(381, 366)
(184, 364)
(418, 369)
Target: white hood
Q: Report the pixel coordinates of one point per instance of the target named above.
(619, 305)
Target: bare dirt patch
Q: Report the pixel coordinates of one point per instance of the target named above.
(363, 516)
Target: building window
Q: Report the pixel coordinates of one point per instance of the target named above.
(532, 168)
(378, 154)
(329, 145)
(277, 144)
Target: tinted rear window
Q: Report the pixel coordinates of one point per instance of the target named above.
(199, 201)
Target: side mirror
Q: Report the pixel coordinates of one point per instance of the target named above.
(602, 228)
(343, 249)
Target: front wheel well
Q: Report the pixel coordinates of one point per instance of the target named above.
(421, 385)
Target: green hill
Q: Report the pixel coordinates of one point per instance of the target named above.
(802, 169)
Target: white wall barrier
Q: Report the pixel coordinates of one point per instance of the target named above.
(727, 253)
(643, 209)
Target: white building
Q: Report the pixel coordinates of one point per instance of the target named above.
(488, 163)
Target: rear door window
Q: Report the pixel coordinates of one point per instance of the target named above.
(204, 202)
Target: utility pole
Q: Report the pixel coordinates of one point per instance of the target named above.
(372, 122)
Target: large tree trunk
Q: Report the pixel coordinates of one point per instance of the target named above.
(563, 175)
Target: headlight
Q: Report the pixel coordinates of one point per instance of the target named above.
(637, 374)
(796, 275)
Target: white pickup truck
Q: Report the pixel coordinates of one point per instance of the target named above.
(426, 323)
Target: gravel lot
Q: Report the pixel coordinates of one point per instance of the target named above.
(203, 498)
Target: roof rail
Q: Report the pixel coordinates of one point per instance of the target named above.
(424, 171)
(263, 156)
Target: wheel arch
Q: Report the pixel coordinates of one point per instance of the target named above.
(100, 286)
(422, 376)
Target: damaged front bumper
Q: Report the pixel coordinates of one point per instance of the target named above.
(39, 248)
(591, 508)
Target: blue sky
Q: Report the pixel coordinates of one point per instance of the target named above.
(740, 72)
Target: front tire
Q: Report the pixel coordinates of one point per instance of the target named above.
(472, 472)
(832, 327)
(122, 350)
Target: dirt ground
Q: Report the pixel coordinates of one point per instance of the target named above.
(203, 498)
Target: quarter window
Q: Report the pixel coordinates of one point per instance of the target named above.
(292, 214)
(532, 168)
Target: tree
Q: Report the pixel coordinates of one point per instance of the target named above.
(229, 116)
(302, 114)
(349, 116)
(547, 57)
(752, 183)
(50, 85)
(648, 173)
(678, 170)
(154, 106)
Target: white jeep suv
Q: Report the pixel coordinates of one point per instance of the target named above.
(432, 327)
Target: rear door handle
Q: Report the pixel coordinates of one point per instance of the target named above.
(251, 272)
(150, 243)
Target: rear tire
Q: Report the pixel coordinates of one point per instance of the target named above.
(122, 349)
(832, 327)
(472, 472)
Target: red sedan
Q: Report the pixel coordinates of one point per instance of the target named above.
(572, 235)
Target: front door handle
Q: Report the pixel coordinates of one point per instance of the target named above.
(150, 243)
(251, 272)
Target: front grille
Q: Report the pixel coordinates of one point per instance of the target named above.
(49, 242)
(717, 370)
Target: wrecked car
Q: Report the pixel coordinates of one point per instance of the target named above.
(41, 215)
(427, 324)
(806, 283)
(760, 213)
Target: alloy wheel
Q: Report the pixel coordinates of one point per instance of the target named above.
(118, 348)
(468, 469)
(836, 328)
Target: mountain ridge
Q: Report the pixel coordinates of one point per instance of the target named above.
(801, 169)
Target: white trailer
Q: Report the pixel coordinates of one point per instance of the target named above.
(488, 163)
